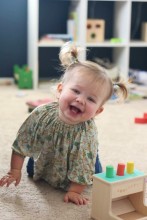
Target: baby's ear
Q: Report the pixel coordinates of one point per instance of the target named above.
(99, 110)
(59, 89)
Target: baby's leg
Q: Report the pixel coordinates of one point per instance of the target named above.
(98, 166)
(30, 167)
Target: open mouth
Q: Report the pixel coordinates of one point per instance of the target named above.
(75, 110)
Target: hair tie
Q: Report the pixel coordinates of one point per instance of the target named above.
(74, 57)
(115, 86)
(115, 90)
(74, 60)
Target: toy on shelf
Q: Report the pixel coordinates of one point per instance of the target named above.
(142, 120)
(116, 40)
(33, 104)
(119, 194)
(95, 30)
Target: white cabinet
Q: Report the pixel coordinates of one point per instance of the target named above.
(119, 24)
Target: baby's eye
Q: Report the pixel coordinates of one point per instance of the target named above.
(91, 100)
(76, 91)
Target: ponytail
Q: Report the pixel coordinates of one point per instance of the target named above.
(120, 90)
(69, 54)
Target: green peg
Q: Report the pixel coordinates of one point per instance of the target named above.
(109, 171)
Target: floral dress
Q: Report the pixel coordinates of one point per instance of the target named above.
(62, 153)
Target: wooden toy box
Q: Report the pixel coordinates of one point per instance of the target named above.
(95, 30)
(121, 197)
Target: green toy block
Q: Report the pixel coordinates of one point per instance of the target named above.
(16, 72)
(25, 79)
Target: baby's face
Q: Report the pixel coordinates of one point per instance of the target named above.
(80, 98)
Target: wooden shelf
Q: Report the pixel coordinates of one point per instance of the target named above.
(120, 27)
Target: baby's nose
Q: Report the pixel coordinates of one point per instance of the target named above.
(80, 99)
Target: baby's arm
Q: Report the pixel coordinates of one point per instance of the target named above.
(14, 174)
(74, 194)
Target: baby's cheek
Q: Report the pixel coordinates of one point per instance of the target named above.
(91, 112)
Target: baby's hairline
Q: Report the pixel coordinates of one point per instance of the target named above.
(83, 68)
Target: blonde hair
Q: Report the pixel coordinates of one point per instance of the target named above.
(68, 56)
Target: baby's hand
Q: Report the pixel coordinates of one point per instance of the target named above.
(76, 198)
(13, 175)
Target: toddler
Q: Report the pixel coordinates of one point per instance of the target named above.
(61, 137)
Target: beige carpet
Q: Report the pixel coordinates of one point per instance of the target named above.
(121, 140)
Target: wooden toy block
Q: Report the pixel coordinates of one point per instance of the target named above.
(95, 30)
(119, 197)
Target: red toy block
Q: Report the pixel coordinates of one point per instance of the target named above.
(145, 115)
(140, 120)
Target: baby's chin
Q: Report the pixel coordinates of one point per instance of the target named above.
(70, 120)
(72, 116)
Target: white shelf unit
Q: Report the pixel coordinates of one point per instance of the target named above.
(121, 28)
